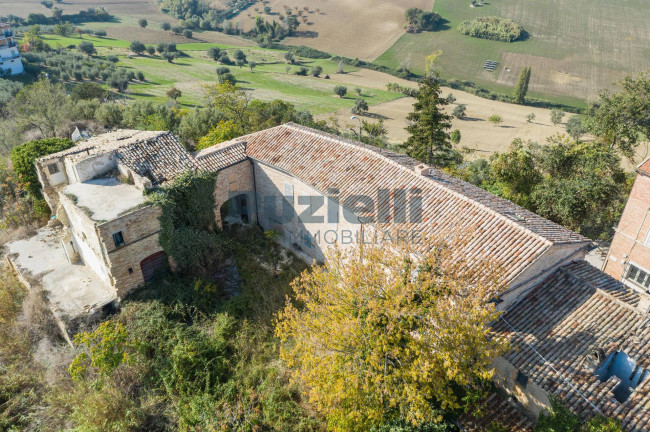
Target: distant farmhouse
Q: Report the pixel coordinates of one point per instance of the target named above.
(576, 332)
(10, 61)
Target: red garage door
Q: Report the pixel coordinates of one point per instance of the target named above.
(151, 264)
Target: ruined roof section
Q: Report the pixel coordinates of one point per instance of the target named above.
(557, 326)
(104, 143)
(499, 414)
(159, 158)
(221, 156)
(326, 161)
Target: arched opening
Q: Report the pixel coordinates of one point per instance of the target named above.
(151, 265)
(236, 211)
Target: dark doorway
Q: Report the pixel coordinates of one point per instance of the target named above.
(151, 265)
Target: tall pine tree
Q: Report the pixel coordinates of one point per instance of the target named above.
(429, 140)
(521, 89)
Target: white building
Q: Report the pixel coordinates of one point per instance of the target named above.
(9, 55)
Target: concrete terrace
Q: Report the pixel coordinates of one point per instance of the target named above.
(105, 199)
(71, 289)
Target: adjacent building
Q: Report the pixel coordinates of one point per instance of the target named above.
(628, 258)
(9, 56)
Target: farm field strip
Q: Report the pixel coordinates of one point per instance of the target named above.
(578, 47)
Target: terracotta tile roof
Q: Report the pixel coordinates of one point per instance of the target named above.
(644, 167)
(498, 413)
(221, 156)
(104, 143)
(504, 231)
(160, 158)
(574, 313)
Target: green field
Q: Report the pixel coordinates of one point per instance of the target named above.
(269, 80)
(576, 47)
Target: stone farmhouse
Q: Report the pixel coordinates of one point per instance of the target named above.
(577, 333)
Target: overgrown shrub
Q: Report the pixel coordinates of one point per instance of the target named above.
(23, 158)
(493, 28)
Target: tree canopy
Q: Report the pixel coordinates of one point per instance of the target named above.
(429, 139)
(361, 339)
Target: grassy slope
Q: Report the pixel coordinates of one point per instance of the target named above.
(268, 81)
(564, 30)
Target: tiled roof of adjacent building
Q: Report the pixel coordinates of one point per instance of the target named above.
(498, 414)
(644, 167)
(503, 230)
(160, 158)
(563, 328)
(104, 143)
(221, 156)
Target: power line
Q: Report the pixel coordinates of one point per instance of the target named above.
(553, 368)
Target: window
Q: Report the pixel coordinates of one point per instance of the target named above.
(53, 168)
(118, 239)
(306, 240)
(637, 276)
(522, 379)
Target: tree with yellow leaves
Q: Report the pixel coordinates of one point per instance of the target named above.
(377, 335)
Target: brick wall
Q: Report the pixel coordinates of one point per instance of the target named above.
(140, 230)
(232, 181)
(629, 242)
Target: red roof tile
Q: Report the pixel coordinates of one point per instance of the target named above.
(557, 327)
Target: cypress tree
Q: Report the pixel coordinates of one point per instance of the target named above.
(522, 85)
(429, 140)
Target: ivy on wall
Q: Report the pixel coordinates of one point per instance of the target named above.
(188, 230)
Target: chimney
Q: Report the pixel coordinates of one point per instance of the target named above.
(422, 169)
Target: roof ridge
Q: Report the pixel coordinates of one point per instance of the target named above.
(345, 141)
(577, 279)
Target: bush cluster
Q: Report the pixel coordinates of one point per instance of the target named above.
(493, 28)
(418, 20)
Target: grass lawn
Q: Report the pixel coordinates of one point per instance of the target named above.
(571, 59)
(269, 80)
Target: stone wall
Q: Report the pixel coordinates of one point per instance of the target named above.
(140, 229)
(531, 397)
(554, 257)
(283, 203)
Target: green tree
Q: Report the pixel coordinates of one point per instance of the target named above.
(223, 131)
(360, 106)
(575, 128)
(42, 105)
(87, 91)
(166, 26)
(137, 47)
(340, 90)
(556, 116)
(455, 136)
(23, 159)
(143, 22)
(366, 358)
(86, 47)
(230, 100)
(521, 89)
(174, 93)
(621, 119)
(530, 117)
(429, 141)
(515, 174)
(459, 111)
(316, 71)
